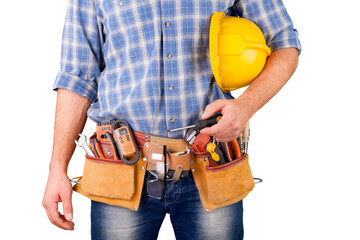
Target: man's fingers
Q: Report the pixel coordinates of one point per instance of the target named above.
(221, 127)
(67, 207)
(213, 107)
(56, 218)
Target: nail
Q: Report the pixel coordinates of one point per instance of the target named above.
(68, 216)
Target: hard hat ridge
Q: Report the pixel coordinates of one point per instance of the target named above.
(238, 51)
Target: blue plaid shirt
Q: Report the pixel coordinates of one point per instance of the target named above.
(147, 61)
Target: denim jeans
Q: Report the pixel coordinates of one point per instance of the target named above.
(187, 215)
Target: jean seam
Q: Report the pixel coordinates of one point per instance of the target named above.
(178, 192)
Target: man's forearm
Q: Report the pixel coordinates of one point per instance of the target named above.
(278, 70)
(70, 118)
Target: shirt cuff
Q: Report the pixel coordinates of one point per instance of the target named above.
(76, 84)
(289, 43)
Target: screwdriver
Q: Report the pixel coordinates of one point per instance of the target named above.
(200, 124)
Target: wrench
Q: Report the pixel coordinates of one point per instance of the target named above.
(82, 143)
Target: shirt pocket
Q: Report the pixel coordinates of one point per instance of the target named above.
(129, 27)
(198, 41)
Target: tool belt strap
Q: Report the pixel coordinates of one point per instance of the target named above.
(173, 145)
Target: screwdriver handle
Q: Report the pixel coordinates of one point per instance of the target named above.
(203, 123)
(215, 153)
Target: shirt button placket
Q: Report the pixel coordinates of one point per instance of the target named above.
(121, 3)
(169, 49)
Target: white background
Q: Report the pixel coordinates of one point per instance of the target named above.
(304, 143)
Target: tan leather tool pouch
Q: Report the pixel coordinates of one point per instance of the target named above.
(153, 153)
(222, 185)
(112, 181)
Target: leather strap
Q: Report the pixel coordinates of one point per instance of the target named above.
(177, 173)
(183, 161)
(173, 145)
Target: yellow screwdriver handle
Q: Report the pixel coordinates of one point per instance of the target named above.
(211, 148)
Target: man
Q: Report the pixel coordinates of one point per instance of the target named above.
(147, 62)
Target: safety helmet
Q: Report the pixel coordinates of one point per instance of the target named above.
(238, 51)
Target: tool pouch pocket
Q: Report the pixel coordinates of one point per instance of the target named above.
(224, 184)
(108, 178)
(112, 181)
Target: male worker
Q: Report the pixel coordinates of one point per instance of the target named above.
(147, 62)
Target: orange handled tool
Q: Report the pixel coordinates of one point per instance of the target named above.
(231, 150)
(200, 142)
(110, 138)
(101, 129)
(97, 148)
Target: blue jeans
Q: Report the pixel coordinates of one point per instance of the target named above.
(187, 215)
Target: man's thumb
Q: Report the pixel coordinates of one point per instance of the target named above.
(213, 107)
(67, 207)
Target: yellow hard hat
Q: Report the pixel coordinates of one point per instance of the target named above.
(238, 51)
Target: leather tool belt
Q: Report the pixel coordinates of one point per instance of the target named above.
(178, 153)
(114, 182)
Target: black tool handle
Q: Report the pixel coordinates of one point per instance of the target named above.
(225, 150)
(200, 124)
(221, 155)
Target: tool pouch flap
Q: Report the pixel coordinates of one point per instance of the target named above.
(224, 184)
(112, 181)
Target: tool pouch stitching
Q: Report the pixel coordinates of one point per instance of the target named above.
(222, 185)
(112, 181)
(107, 178)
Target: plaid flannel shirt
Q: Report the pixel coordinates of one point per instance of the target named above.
(147, 61)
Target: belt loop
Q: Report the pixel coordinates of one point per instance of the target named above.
(177, 173)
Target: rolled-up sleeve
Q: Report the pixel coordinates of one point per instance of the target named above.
(271, 16)
(81, 51)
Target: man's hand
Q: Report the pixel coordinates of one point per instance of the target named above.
(278, 69)
(59, 189)
(233, 121)
(70, 119)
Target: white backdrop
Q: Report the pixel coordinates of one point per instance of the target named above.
(304, 143)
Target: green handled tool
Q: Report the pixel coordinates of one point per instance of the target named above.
(200, 124)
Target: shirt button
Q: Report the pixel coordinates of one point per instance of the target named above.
(171, 87)
(121, 2)
(169, 56)
(172, 119)
(167, 24)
